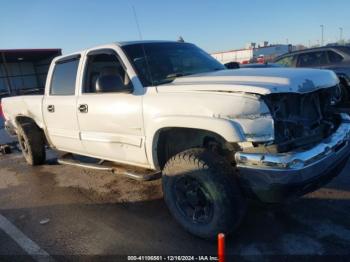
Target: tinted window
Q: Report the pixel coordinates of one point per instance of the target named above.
(344, 49)
(63, 78)
(334, 57)
(312, 59)
(160, 63)
(101, 65)
(286, 61)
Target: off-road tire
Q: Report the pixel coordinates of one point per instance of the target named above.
(216, 178)
(32, 143)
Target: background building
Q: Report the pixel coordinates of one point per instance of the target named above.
(23, 71)
(253, 53)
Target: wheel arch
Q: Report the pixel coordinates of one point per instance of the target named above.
(21, 120)
(181, 133)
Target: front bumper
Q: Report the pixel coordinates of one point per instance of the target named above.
(275, 178)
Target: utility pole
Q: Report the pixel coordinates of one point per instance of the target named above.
(340, 34)
(322, 27)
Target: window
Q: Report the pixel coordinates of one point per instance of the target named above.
(160, 63)
(286, 61)
(103, 65)
(334, 57)
(344, 49)
(312, 59)
(63, 77)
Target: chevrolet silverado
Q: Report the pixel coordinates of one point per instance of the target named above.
(217, 136)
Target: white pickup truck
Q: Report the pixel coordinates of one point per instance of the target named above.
(218, 136)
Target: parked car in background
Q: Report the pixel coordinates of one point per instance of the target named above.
(335, 58)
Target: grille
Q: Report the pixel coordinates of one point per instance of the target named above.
(302, 119)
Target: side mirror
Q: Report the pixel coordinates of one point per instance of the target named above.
(111, 83)
(232, 65)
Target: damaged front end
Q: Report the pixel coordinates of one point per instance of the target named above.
(311, 146)
(300, 120)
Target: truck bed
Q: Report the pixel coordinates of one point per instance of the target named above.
(23, 106)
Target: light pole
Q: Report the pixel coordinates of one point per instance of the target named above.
(340, 34)
(322, 27)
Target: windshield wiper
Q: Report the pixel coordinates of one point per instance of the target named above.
(169, 78)
(174, 75)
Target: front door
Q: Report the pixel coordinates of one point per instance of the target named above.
(110, 121)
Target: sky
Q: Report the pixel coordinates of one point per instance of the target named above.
(213, 25)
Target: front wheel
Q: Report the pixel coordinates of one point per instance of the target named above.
(202, 194)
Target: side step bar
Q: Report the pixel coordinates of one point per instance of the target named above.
(100, 165)
(73, 162)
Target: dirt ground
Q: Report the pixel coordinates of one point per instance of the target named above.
(91, 215)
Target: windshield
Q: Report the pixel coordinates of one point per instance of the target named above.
(160, 63)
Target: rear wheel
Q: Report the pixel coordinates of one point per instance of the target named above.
(202, 194)
(31, 141)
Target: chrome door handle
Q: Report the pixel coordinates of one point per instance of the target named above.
(83, 108)
(51, 108)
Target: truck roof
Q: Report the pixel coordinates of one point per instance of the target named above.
(122, 43)
(143, 42)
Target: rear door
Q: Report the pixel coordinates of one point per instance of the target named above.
(315, 59)
(60, 106)
(111, 123)
(335, 59)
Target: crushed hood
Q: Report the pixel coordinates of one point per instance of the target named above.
(258, 81)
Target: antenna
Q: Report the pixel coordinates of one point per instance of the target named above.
(142, 44)
(180, 39)
(137, 22)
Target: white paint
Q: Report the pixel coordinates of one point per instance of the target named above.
(124, 127)
(258, 81)
(62, 125)
(23, 241)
